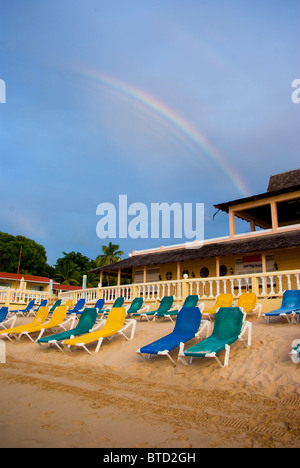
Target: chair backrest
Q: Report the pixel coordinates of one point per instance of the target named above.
(228, 322)
(118, 302)
(291, 299)
(247, 301)
(80, 304)
(3, 313)
(87, 320)
(57, 303)
(43, 303)
(191, 301)
(166, 303)
(58, 316)
(99, 304)
(136, 304)
(115, 319)
(224, 300)
(41, 316)
(69, 303)
(188, 321)
(29, 305)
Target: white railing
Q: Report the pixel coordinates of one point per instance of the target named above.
(110, 294)
(271, 284)
(156, 291)
(23, 297)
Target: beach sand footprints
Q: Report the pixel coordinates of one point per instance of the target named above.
(2, 352)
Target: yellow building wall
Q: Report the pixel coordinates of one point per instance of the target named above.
(286, 259)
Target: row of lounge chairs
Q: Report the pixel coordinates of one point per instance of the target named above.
(230, 326)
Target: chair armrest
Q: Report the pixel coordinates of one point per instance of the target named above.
(258, 309)
(205, 324)
(247, 327)
(129, 323)
(5, 322)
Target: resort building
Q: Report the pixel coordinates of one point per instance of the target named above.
(16, 289)
(266, 259)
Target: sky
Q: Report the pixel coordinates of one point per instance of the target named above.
(160, 100)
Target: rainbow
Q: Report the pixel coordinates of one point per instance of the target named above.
(178, 123)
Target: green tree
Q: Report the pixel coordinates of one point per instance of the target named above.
(68, 273)
(33, 259)
(70, 269)
(110, 254)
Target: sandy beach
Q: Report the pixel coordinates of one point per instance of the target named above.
(115, 399)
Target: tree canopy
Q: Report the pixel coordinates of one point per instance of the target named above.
(69, 269)
(33, 260)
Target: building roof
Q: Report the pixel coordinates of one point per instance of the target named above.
(18, 277)
(238, 246)
(37, 279)
(278, 184)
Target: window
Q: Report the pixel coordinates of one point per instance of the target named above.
(152, 275)
(204, 272)
(169, 276)
(223, 270)
(185, 272)
(139, 276)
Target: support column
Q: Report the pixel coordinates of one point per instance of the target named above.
(119, 277)
(274, 216)
(231, 223)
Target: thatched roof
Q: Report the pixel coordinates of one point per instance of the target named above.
(278, 184)
(285, 180)
(241, 246)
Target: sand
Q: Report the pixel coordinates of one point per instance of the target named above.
(115, 399)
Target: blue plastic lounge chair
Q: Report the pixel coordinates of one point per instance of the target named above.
(99, 305)
(78, 307)
(190, 301)
(42, 304)
(165, 306)
(86, 322)
(25, 311)
(4, 320)
(229, 327)
(290, 306)
(186, 327)
(118, 303)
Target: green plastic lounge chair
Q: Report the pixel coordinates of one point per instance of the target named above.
(190, 301)
(295, 353)
(229, 327)
(118, 303)
(290, 306)
(57, 304)
(85, 324)
(135, 306)
(165, 306)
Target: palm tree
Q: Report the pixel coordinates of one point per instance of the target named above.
(111, 254)
(68, 274)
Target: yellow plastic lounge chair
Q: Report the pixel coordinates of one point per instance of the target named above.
(248, 302)
(229, 327)
(57, 320)
(115, 324)
(38, 320)
(69, 304)
(223, 300)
